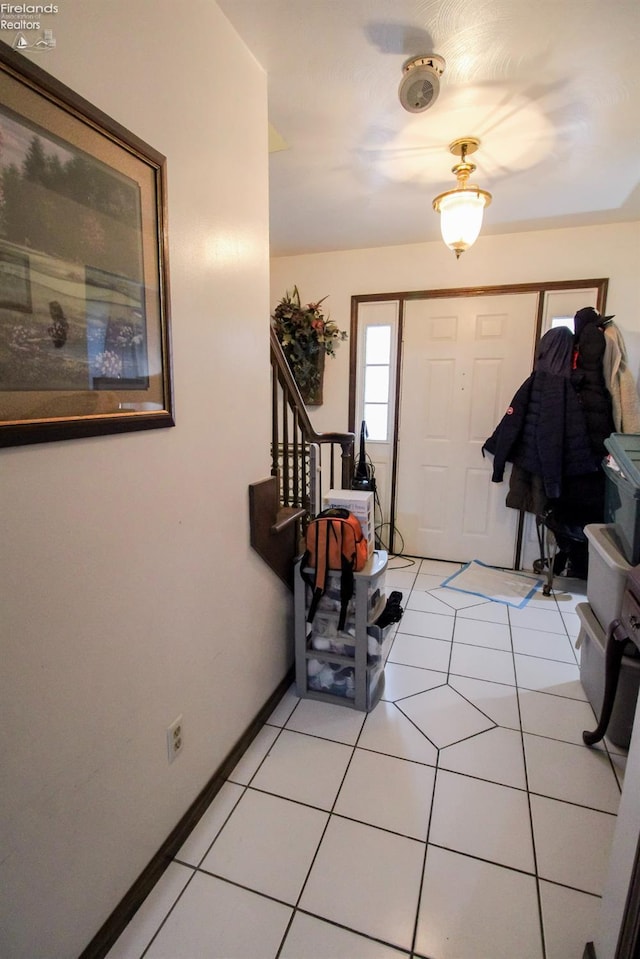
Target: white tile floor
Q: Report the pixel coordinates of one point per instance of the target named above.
(462, 818)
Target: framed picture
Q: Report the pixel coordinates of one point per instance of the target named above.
(84, 292)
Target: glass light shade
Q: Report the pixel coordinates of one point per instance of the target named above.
(461, 218)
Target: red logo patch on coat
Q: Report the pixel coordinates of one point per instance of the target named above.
(510, 411)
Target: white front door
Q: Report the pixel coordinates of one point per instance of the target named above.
(463, 360)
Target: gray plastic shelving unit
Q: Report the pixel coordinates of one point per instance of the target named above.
(361, 671)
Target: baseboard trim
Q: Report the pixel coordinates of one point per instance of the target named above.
(589, 951)
(133, 899)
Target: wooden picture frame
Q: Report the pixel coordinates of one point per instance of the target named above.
(84, 280)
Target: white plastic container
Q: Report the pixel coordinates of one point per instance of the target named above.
(592, 641)
(359, 503)
(607, 575)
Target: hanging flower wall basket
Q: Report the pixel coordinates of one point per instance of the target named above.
(307, 337)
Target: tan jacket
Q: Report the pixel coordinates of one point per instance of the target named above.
(620, 382)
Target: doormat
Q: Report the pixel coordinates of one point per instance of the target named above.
(498, 585)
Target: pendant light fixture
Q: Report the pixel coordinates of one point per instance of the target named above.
(461, 209)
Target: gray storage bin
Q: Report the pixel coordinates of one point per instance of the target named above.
(592, 641)
(622, 492)
(336, 679)
(608, 570)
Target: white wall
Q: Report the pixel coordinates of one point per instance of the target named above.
(623, 851)
(611, 251)
(128, 590)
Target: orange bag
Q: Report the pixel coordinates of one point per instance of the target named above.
(334, 541)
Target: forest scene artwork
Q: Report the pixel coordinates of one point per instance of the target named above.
(65, 324)
(84, 297)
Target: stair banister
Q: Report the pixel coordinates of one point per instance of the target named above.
(281, 506)
(303, 425)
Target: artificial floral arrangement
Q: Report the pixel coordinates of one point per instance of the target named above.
(306, 336)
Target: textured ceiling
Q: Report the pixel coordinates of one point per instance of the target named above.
(551, 88)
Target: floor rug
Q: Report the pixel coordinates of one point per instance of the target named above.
(498, 585)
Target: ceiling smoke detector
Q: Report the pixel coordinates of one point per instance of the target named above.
(420, 84)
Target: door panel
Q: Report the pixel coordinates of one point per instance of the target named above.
(463, 359)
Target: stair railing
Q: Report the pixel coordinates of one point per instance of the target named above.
(305, 461)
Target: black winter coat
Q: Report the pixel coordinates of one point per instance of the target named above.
(544, 433)
(588, 381)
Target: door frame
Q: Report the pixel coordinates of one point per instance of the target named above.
(600, 284)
